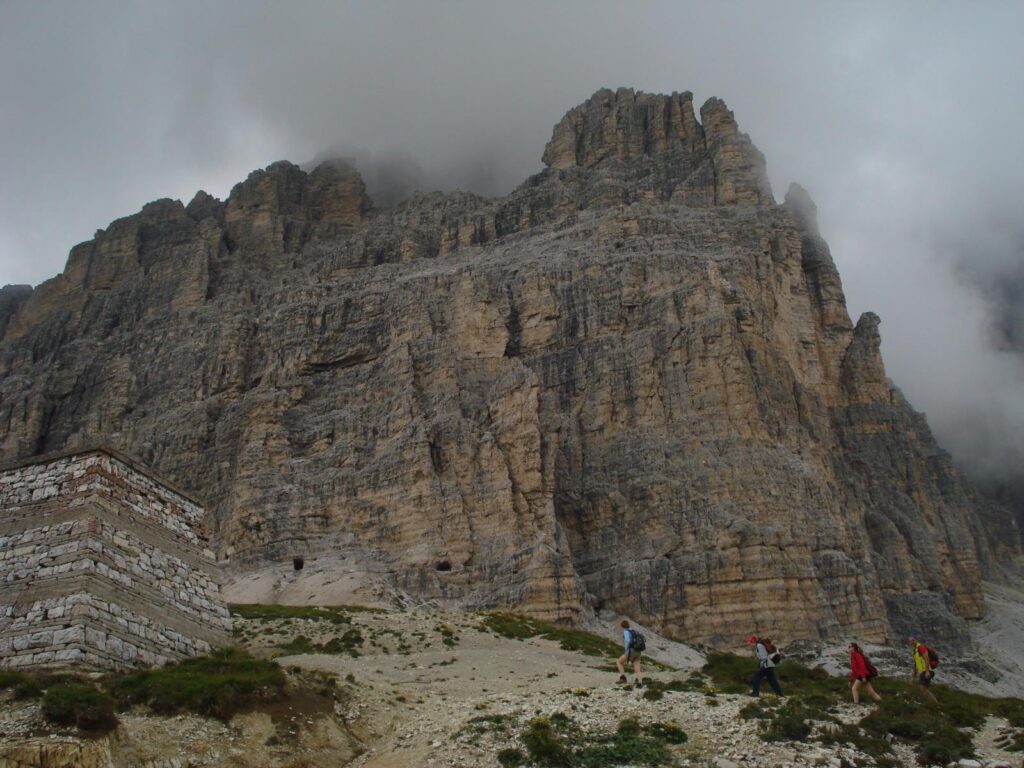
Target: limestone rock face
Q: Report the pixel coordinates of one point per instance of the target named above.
(707, 163)
(632, 384)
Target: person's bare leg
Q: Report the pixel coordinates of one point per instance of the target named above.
(872, 692)
(620, 664)
(855, 688)
(636, 670)
(927, 692)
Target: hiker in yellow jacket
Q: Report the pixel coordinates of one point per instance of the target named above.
(923, 673)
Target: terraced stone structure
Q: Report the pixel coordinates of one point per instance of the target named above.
(103, 565)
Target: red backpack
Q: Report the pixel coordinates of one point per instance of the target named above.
(933, 657)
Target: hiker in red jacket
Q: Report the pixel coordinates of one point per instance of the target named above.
(861, 673)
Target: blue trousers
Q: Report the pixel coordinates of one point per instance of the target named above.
(768, 672)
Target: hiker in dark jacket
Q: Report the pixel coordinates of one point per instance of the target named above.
(765, 668)
(861, 673)
(630, 655)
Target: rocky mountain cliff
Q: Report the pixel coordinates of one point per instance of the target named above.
(632, 384)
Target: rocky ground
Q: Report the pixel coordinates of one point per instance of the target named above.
(421, 687)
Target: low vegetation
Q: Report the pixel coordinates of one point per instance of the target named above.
(80, 705)
(67, 699)
(348, 643)
(517, 627)
(939, 734)
(219, 685)
(558, 741)
(23, 686)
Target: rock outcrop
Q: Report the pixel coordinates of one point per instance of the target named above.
(631, 384)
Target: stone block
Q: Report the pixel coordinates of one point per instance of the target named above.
(74, 634)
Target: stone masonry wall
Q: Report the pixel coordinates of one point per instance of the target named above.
(103, 565)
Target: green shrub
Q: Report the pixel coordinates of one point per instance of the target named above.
(607, 752)
(730, 672)
(9, 679)
(219, 685)
(557, 741)
(787, 726)
(932, 730)
(854, 735)
(79, 705)
(511, 758)
(21, 685)
(347, 643)
(755, 710)
(544, 745)
(945, 748)
(629, 727)
(299, 644)
(655, 689)
(485, 723)
(670, 733)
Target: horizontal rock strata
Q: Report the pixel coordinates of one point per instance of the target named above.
(631, 384)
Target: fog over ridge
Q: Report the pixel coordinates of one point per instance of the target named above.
(902, 122)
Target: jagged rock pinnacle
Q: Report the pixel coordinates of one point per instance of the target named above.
(628, 125)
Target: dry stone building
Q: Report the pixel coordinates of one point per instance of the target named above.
(103, 565)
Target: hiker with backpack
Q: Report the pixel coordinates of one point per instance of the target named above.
(925, 662)
(767, 657)
(862, 672)
(634, 644)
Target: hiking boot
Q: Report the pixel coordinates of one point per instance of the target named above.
(638, 684)
(622, 679)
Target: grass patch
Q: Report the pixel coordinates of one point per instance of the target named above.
(348, 643)
(21, 685)
(488, 724)
(655, 690)
(80, 705)
(934, 731)
(511, 758)
(544, 744)
(219, 685)
(557, 741)
(517, 627)
(788, 722)
(448, 636)
(759, 709)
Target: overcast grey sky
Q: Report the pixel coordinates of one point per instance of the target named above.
(904, 121)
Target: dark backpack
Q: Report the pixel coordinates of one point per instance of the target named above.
(872, 669)
(636, 641)
(773, 652)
